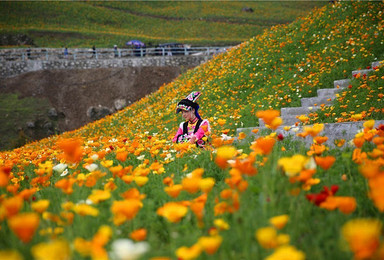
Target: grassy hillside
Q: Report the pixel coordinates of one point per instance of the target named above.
(121, 177)
(83, 24)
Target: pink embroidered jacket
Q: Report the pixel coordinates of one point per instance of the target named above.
(191, 128)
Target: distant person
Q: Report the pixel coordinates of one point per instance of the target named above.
(93, 51)
(29, 52)
(65, 52)
(169, 52)
(116, 51)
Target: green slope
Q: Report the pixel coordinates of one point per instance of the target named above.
(83, 24)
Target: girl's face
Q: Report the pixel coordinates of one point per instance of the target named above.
(188, 115)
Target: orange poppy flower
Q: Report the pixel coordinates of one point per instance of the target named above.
(320, 139)
(325, 162)
(125, 210)
(173, 190)
(263, 145)
(65, 185)
(24, 225)
(11, 206)
(345, 204)
(268, 115)
(191, 184)
(242, 135)
(139, 234)
(133, 194)
(73, 152)
(5, 172)
(359, 141)
(122, 156)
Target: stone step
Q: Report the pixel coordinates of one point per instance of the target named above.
(377, 64)
(333, 131)
(341, 83)
(290, 120)
(362, 72)
(327, 92)
(261, 123)
(316, 101)
(287, 111)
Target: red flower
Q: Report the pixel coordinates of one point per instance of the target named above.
(318, 198)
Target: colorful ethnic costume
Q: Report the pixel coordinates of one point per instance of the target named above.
(187, 129)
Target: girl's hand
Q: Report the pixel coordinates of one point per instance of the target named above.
(193, 139)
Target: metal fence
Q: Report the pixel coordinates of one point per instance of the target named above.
(81, 54)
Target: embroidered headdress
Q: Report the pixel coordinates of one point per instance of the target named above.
(189, 102)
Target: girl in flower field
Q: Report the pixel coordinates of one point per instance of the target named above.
(194, 128)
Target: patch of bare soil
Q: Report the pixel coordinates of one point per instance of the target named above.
(72, 92)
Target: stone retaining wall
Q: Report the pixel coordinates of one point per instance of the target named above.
(14, 68)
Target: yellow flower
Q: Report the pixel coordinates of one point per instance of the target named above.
(279, 221)
(106, 163)
(267, 237)
(206, 184)
(286, 253)
(283, 239)
(221, 122)
(82, 246)
(369, 124)
(40, 206)
(303, 118)
(293, 165)
(10, 255)
(173, 211)
(221, 224)
(188, 253)
(67, 205)
(210, 244)
(141, 180)
(363, 236)
(275, 123)
(54, 250)
(314, 130)
(50, 231)
(224, 153)
(99, 195)
(84, 210)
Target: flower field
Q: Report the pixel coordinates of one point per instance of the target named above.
(119, 188)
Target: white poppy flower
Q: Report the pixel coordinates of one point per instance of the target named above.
(60, 167)
(125, 249)
(91, 167)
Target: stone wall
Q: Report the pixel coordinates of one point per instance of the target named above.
(14, 68)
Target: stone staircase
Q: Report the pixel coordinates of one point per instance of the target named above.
(324, 98)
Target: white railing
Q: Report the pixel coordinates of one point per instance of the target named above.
(81, 54)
